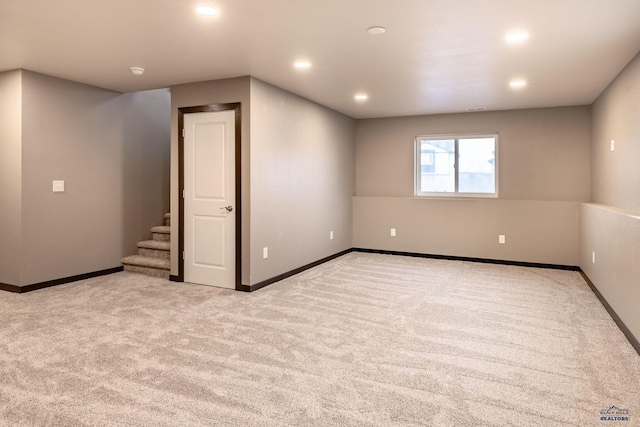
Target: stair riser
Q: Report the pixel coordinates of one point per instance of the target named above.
(155, 272)
(154, 253)
(160, 237)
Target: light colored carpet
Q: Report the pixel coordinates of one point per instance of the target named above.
(364, 340)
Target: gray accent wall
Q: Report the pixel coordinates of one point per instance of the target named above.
(10, 175)
(610, 226)
(302, 181)
(112, 151)
(544, 174)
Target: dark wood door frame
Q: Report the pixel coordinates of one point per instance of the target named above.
(238, 176)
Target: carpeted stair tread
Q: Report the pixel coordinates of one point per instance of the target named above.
(155, 244)
(153, 258)
(161, 229)
(144, 261)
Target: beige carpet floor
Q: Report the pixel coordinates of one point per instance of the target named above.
(364, 340)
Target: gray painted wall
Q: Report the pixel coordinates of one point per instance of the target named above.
(302, 181)
(112, 151)
(616, 113)
(146, 163)
(611, 226)
(10, 175)
(544, 158)
(206, 93)
(536, 231)
(614, 236)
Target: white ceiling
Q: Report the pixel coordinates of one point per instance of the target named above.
(437, 56)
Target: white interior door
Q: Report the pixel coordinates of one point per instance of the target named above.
(209, 211)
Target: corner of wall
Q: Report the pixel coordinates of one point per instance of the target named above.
(11, 176)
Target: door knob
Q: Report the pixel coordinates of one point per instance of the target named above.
(228, 208)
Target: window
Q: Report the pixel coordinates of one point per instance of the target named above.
(456, 165)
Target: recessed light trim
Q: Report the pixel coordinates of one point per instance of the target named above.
(518, 83)
(138, 71)
(376, 30)
(207, 11)
(516, 37)
(302, 65)
(361, 97)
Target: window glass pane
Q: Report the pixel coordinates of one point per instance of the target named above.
(437, 173)
(477, 157)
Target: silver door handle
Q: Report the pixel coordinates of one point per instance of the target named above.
(228, 208)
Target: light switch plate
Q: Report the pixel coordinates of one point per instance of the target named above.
(58, 186)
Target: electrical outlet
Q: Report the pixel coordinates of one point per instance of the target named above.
(593, 257)
(58, 186)
(265, 253)
(613, 144)
(502, 239)
(393, 232)
(331, 235)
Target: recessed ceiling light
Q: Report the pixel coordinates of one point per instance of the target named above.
(516, 37)
(518, 84)
(476, 109)
(376, 30)
(361, 97)
(137, 71)
(207, 11)
(302, 64)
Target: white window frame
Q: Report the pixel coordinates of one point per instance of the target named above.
(452, 195)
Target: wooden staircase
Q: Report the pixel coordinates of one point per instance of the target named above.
(153, 257)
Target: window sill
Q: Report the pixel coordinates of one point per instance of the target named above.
(456, 196)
